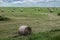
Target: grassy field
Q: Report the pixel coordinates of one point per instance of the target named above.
(44, 23)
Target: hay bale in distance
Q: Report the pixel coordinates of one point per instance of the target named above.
(24, 30)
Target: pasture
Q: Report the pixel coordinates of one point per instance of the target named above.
(45, 23)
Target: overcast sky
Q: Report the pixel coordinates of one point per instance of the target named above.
(28, 3)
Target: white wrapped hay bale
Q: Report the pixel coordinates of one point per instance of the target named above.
(24, 30)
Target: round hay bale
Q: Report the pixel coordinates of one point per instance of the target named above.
(24, 30)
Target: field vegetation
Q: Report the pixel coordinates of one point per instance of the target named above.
(44, 21)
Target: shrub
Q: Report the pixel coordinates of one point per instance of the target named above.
(58, 14)
(2, 10)
(51, 11)
(12, 10)
(3, 18)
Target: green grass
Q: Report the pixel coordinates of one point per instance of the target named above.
(45, 25)
(51, 35)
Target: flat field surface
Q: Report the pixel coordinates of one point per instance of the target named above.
(45, 23)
